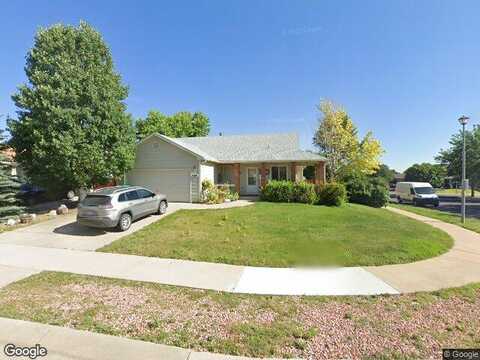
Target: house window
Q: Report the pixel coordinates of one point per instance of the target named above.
(279, 173)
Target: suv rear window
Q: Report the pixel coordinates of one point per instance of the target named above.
(95, 200)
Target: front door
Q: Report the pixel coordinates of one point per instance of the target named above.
(252, 181)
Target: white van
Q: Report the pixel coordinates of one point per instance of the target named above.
(418, 193)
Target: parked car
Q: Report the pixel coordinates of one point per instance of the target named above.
(119, 206)
(31, 194)
(418, 193)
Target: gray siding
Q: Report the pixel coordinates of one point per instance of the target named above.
(157, 154)
(157, 159)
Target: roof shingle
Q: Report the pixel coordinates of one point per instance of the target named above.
(247, 148)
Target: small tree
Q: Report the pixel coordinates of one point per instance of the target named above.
(426, 172)
(337, 139)
(9, 186)
(451, 158)
(72, 130)
(180, 124)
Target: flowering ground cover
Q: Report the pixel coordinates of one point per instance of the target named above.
(380, 327)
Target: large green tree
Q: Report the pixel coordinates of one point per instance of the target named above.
(9, 185)
(72, 130)
(337, 139)
(384, 172)
(426, 172)
(180, 124)
(451, 158)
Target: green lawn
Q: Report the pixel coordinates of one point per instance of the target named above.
(280, 235)
(470, 223)
(455, 192)
(410, 326)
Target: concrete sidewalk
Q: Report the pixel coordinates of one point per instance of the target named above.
(64, 343)
(212, 276)
(458, 267)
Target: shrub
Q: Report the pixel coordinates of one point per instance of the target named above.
(232, 196)
(277, 191)
(332, 194)
(212, 194)
(304, 192)
(371, 191)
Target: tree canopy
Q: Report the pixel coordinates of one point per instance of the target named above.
(451, 158)
(72, 129)
(337, 139)
(180, 124)
(385, 173)
(426, 172)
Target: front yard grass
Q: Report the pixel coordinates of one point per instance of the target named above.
(359, 327)
(470, 223)
(281, 235)
(455, 192)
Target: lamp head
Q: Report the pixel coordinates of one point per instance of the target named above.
(463, 120)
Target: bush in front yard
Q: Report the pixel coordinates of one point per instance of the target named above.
(304, 192)
(288, 191)
(366, 190)
(277, 191)
(331, 194)
(217, 194)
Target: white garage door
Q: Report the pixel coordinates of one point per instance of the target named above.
(173, 183)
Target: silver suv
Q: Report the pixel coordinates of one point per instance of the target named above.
(118, 206)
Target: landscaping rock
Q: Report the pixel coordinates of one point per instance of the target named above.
(52, 213)
(62, 210)
(11, 222)
(26, 218)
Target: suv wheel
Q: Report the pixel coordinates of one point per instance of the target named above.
(124, 222)
(162, 208)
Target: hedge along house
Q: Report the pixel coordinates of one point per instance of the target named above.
(176, 167)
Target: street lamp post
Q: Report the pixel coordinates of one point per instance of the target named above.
(463, 120)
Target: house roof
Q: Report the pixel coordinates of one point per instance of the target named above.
(245, 148)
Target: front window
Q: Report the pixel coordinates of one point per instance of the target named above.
(424, 190)
(252, 177)
(144, 194)
(279, 173)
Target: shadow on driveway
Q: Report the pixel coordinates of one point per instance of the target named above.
(75, 228)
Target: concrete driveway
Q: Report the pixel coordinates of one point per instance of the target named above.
(63, 232)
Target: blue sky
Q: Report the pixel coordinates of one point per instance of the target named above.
(404, 69)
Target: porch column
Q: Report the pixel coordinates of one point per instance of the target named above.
(263, 175)
(293, 172)
(236, 177)
(320, 173)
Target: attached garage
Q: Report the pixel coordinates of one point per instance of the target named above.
(175, 183)
(166, 167)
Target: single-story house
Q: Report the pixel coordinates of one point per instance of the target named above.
(176, 167)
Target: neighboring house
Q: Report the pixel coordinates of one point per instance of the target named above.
(9, 154)
(176, 167)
